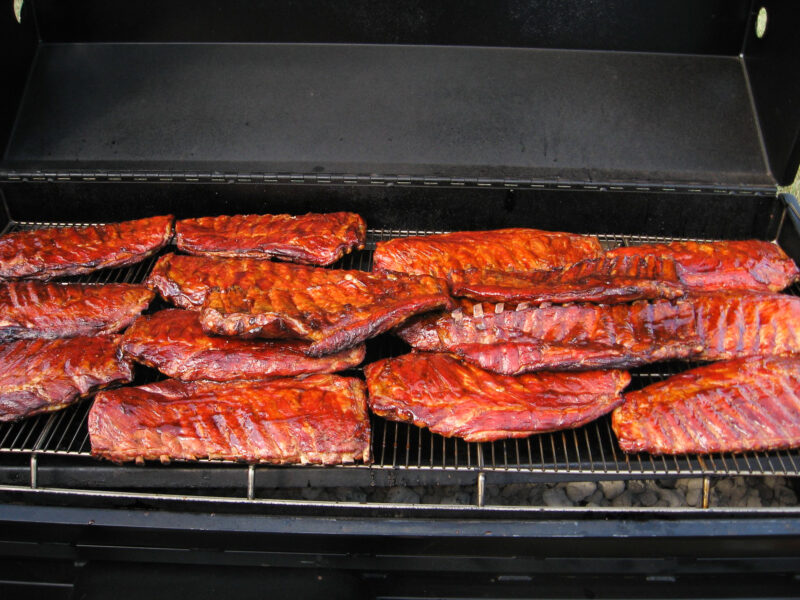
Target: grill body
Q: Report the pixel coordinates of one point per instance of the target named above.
(637, 122)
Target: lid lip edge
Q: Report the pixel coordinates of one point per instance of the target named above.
(228, 176)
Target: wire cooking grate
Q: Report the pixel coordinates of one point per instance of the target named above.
(589, 450)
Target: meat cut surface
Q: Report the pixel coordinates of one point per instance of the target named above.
(518, 250)
(747, 404)
(173, 342)
(35, 309)
(456, 399)
(335, 309)
(186, 280)
(725, 265)
(606, 280)
(60, 251)
(314, 239)
(576, 337)
(318, 419)
(751, 324)
(45, 375)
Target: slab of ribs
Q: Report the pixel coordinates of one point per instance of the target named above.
(580, 336)
(584, 336)
(517, 250)
(604, 280)
(173, 342)
(313, 239)
(335, 309)
(740, 325)
(727, 265)
(60, 251)
(647, 271)
(747, 404)
(36, 309)
(46, 375)
(456, 399)
(317, 419)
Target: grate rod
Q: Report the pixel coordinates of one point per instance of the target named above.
(706, 490)
(34, 471)
(251, 480)
(383, 443)
(479, 448)
(394, 443)
(51, 418)
(481, 483)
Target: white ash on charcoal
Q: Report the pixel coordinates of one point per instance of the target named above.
(743, 492)
(730, 492)
(578, 491)
(611, 489)
(556, 497)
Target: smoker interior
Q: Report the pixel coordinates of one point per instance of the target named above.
(657, 94)
(632, 120)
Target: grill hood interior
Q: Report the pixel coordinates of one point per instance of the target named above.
(546, 93)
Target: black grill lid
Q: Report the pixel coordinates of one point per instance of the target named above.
(589, 93)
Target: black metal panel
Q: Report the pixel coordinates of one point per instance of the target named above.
(710, 27)
(196, 582)
(602, 211)
(201, 582)
(685, 26)
(412, 110)
(232, 575)
(393, 540)
(772, 67)
(18, 43)
(42, 577)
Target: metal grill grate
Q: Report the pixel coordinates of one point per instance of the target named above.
(590, 451)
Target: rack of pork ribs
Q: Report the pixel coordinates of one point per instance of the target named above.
(513, 332)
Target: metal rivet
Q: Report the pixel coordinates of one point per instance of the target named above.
(761, 22)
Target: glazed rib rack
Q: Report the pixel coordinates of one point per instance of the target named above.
(57, 444)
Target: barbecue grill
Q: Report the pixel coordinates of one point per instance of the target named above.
(635, 121)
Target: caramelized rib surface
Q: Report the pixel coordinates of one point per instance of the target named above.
(726, 265)
(47, 375)
(734, 406)
(318, 419)
(34, 309)
(499, 250)
(173, 342)
(456, 399)
(607, 280)
(581, 336)
(314, 239)
(335, 309)
(740, 325)
(60, 251)
(186, 280)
